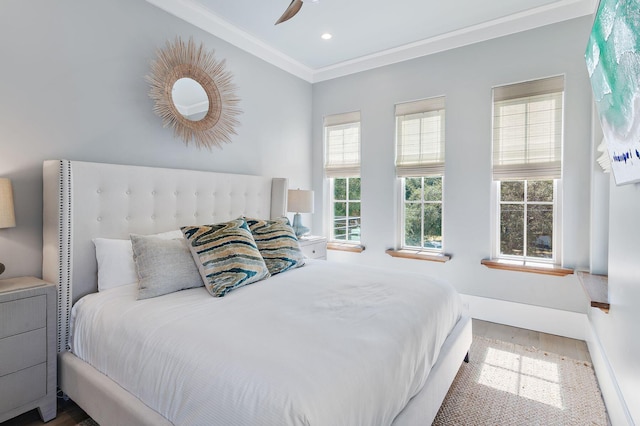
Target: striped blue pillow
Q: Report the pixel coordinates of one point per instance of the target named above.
(277, 243)
(226, 255)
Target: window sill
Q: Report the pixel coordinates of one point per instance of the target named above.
(597, 289)
(419, 255)
(520, 266)
(353, 248)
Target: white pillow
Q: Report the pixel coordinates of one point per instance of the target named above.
(115, 260)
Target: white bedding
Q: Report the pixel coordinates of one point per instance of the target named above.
(325, 344)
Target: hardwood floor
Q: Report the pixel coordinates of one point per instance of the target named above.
(572, 348)
(69, 414)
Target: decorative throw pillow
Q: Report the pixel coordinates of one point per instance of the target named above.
(163, 266)
(277, 243)
(226, 255)
(115, 260)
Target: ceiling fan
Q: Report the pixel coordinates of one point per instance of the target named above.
(290, 12)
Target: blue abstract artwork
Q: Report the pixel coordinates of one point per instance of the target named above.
(613, 63)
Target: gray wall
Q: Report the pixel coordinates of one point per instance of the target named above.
(73, 87)
(465, 76)
(618, 331)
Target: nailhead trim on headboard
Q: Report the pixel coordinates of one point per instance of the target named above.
(64, 271)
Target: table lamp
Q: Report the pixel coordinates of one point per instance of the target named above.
(7, 216)
(299, 201)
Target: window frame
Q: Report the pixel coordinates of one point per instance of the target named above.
(402, 223)
(556, 242)
(332, 201)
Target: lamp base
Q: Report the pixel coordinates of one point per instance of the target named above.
(297, 226)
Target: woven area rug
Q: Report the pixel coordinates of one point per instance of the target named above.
(509, 384)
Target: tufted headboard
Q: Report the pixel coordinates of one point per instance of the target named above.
(84, 200)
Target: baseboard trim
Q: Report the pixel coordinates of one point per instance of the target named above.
(611, 393)
(536, 318)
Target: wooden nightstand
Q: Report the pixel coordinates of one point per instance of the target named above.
(314, 247)
(27, 347)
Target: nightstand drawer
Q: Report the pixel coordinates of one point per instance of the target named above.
(314, 247)
(22, 315)
(23, 350)
(23, 387)
(315, 251)
(27, 347)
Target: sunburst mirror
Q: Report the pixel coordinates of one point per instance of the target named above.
(194, 94)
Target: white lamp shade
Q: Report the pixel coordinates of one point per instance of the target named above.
(300, 201)
(7, 216)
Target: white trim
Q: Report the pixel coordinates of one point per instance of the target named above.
(558, 239)
(519, 22)
(194, 13)
(494, 226)
(531, 317)
(331, 203)
(556, 244)
(401, 210)
(327, 217)
(613, 399)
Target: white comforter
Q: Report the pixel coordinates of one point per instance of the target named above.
(324, 345)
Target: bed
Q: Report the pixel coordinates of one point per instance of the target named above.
(320, 344)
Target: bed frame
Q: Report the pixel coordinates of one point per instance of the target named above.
(84, 200)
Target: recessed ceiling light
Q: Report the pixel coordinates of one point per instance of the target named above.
(326, 36)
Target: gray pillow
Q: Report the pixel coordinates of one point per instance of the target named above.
(163, 266)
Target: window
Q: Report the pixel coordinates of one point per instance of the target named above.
(342, 167)
(422, 212)
(528, 202)
(420, 167)
(346, 209)
(527, 168)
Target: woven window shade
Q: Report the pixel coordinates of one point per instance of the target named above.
(527, 130)
(420, 138)
(342, 145)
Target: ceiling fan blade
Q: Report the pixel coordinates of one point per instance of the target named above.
(293, 8)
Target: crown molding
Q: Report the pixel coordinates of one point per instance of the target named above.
(205, 19)
(534, 18)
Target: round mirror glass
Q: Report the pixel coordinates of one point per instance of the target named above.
(190, 99)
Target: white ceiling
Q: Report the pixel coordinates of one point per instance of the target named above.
(366, 33)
